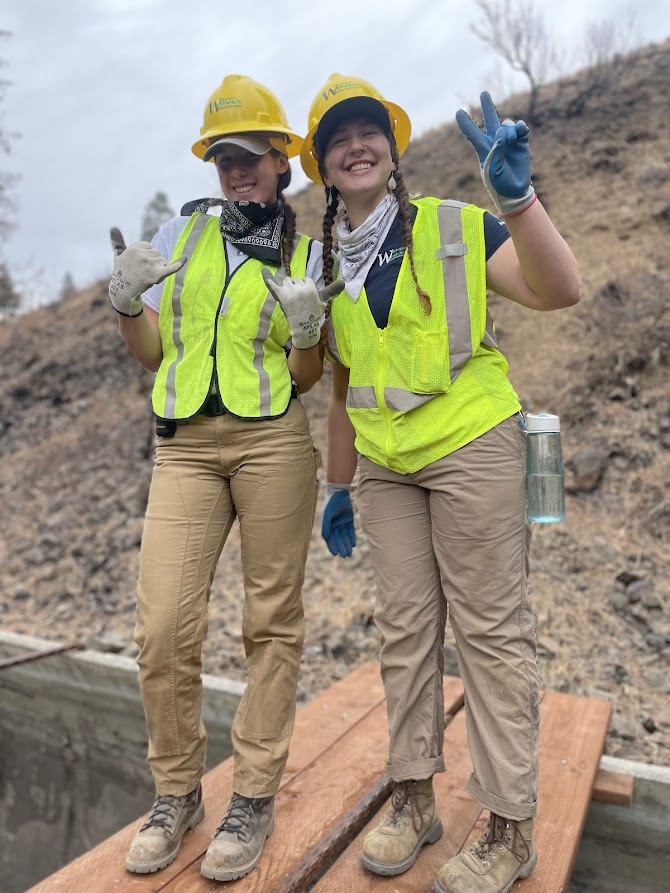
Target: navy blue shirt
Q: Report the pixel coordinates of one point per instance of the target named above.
(383, 274)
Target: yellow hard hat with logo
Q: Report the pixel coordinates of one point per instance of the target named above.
(242, 105)
(344, 97)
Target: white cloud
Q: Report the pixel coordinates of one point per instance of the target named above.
(108, 95)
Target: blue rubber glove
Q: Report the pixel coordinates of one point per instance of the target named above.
(337, 527)
(504, 155)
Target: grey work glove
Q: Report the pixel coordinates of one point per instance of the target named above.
(504, 155)
(303, 305)
(136, 268)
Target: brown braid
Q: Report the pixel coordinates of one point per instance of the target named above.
(289, 228)
(288, 236)
(405, 212)
(328, 220)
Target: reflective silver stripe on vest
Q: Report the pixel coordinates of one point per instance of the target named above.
(403, 401)
(398, 399)
(189, 248)
(361, 398)
(261, 336)
(453, 251)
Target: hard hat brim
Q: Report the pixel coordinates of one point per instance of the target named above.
(255, 144)
(393, 119)
(282, 139)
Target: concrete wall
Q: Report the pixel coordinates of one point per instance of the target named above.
(73, 754)
(626, 849)
(73, 771)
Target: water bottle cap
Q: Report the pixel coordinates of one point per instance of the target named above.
(537, 422)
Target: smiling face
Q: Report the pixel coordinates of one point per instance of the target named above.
(357, 161)
(247, 177)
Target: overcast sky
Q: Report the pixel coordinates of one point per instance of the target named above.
(108, 96)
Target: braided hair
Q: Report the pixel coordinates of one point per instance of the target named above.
(404, 212)
(289, 227)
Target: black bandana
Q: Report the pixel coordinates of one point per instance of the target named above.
(254, 228)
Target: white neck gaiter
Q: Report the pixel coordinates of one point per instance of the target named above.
(357, 247)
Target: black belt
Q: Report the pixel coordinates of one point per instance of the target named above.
(214, 405)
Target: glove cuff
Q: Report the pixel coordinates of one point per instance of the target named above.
(331, 488)
(130, 315)
(514, 206)
(303, 342)
(507, 206)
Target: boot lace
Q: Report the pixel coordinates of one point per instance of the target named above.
(404, 806)
(496, 837)
(241, 810)
(163, 812)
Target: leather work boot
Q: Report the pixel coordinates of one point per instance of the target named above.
(157, 842)
(394, 846)
(238, 841)
(503, 854)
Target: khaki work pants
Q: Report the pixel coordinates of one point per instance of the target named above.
(213, 470)
(456, 531)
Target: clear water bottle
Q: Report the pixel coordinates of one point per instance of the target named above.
(544, 468)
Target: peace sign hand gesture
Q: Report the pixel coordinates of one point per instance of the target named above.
(504, 155)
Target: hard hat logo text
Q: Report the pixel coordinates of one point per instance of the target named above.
(333, 91)
(223, 104)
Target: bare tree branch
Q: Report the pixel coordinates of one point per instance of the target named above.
(518, 33)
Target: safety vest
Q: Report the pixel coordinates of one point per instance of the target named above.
(426, 384)
(222, 328)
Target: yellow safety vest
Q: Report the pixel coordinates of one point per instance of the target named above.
(224, 328)
(426, 385)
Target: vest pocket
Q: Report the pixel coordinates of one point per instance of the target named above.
(429, 369)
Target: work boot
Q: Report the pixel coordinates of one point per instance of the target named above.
(238, 841)
(157, 842)
(503, 854)
(395, 844)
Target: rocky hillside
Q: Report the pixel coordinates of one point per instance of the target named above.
(76, 438)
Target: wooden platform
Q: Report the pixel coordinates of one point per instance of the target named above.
(335, 784)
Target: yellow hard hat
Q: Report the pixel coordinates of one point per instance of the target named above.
(242, 105)
(352, 97)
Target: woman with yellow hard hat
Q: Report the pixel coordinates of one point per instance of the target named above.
(232, 347)
(422, 404)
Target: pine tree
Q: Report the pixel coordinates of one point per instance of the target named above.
(68, 288)
(155, 214)
(10, 299)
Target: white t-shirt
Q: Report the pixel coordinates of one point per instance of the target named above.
(166, 240)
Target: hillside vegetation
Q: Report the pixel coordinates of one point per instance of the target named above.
(76, 436)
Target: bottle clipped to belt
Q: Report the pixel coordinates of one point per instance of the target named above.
(544, 468)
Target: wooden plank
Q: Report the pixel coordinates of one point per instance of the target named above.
(311, 805)
(326, 718)
(613, 787)
(338, 753)
(572, 736)
(457, 810)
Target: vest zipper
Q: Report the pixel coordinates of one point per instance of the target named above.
(383, 369)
